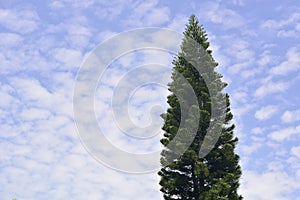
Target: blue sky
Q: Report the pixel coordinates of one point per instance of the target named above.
(43, 45)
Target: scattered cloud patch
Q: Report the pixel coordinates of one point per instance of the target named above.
(178, 23)
(21, 21)
(240, 96)
(147, 13)
(242, 109)
(31, 91)
(251, 148)
(271, 88)
(34, 114)
(238, 2)
(267, 185)
(216, 13)
(42, 46)
(285, 133)
(257, 130)
(266, 59)
(290, 116)
(10, 39)
(266, 112)
(296, 151)
(285, 28)
(70, 58)
(73, 3)
(292, 63)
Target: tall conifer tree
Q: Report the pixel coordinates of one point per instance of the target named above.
(207, 169)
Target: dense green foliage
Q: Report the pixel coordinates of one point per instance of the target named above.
(215, 175)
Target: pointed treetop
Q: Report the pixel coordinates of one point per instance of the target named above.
(196, 32)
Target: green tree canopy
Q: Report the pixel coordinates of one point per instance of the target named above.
(208, 169)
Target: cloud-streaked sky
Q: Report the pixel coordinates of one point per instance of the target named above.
(43, 44)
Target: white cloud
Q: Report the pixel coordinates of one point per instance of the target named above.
(238, 2)
(78, 27)
(38, 138)
(296, 151)
(218, 53)
(110, 9)
(266, 112)
(69, 57)
(157, 17)
(61, 166)
(10, 39)
(269, 24)
(34, 114)
(76, 32)
(22, 21)
(285, 133)
(288, 33)
(285, 27)
(148, 13)
(6, 98)
(45, 145)
(257, 130)
(218, 14)
(25, 54)
(239, 56)
(260, 130)
(134, 114)
(79, 33)
(178, 23)
(270, 88)
(251, 148)
(265, 59)
(56, 4)
(140, 107)
(293, 160)
(238, 67)
(73, 3)
(14, 150)
(240, 49)
(250, 73)
(290, 116)
(240, 96)
(31, 90)
(104, 35)
(293, 18)
(290, 65)
(242, 109)
(267, 185)
(275, 166)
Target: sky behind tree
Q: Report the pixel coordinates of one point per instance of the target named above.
(43, 45)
